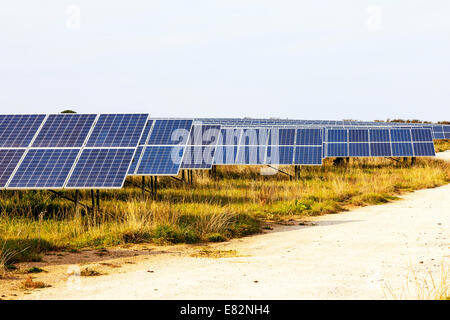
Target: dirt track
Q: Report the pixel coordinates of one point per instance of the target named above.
(352, 255)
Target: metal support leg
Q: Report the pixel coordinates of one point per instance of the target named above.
(77, 210)
(143, 188)
(98, 200)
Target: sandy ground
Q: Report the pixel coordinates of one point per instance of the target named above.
(368, 253)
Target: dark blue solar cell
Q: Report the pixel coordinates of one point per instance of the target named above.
(251, 155)
(135, 160)
(9, 158)
(380, 149)
(402, 150)
(64, 130)
(254, 137)
(225, 154)
(337, 150)
(438, 135)
(446, 129)
(230, 136)
(359, 150)
(424, 149)
(447, 135)
(101, 168)
(282, 137)
(198, 157)
(204, 135)
(144, 136)
(379, 135)
(401, 135)
(421, 135)
(308, 155)
(117, 130)
(18, 130)
(161, 160)
(309, 137)
(337, 135)
(170, 132)
(358, 135)
(44, 168)
(280, 155)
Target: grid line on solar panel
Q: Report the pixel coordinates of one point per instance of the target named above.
(18, 130)
(198, 157)
(101, 168)
(170, 132)
(135, 161)
(43, 169)
(64, 130)
(145, 133)
(9, 158)
(117, 130)
(161, 160)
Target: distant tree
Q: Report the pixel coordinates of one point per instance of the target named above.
(443, 122)
(68, 111)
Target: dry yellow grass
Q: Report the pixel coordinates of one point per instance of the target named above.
(232, 205)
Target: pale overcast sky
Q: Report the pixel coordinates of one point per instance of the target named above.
(347, 59)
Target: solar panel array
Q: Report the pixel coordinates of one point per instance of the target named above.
(258, 146)
(163, 148)
(78, 151)
(378, 143)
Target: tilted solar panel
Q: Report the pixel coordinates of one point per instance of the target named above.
(44, 169)
(9, 158)
(311, 155)
(64, 130)
(117, 130)
(135, 161)
(201, 147)
(170, 132)
(17, 131)
(161, 160)
(101, 168)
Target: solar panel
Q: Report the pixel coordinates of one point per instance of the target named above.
(117, 130)
(9, 158)
(101, 168)
(251, 155)
(201, 147)
(359, 150)
(308, 155)
(147, 129)
(283, 155)
(161, 160)
(64, 130)
(135, 160)
(402, 149)
(423, 149)
(18, 130)
(44, 168)
(170, 132)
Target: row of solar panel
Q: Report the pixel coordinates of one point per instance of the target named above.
(71, 130)
(378, 143)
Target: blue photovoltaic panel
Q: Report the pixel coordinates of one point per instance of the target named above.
(229, 136)
(117, 130)
(280, 155)
(64, 130)
(421, 135)
(18, 130)
(337, 150)
(424, 149)
(254, 137)
(358, 135)
(9, 158)
(252, 155)
(380, 149)
(337, 135)
(308, 155)
(438, 135)
(282, 137)
(198, 157)
(44, 168)
(101, 168)
(170, 132)
(225, 154)
(402, 149)
(359, 150)
(204, 135)
(309, 137)
(379, 135)
(161, 160)
(147, 128)
(135, 160)
(400, 135)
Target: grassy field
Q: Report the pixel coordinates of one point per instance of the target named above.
(238, 202)
(441, 145)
